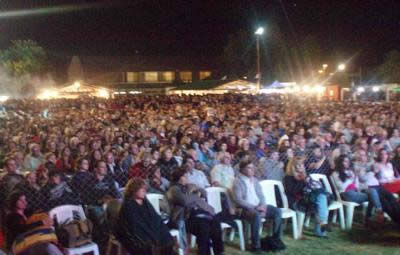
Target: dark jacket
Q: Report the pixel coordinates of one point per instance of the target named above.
(139, 227)
(59, 194)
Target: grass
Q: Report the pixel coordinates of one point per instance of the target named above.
(383, 240)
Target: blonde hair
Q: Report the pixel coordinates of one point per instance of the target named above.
(294, 164)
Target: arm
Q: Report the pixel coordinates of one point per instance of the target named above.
(238, 194)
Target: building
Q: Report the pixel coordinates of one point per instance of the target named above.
(150, 75)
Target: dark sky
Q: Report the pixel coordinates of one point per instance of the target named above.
(201, 27)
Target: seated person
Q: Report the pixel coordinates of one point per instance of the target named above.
(199, 217)
(139, 227)
(248, 196)
(306, 195)
(57, 192)
(15, 224)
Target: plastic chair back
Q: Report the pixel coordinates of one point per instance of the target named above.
(65, 213)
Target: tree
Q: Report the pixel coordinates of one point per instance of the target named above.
(23, 57)
(389, 70)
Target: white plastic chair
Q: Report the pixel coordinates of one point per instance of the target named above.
(335, 205)
(349, 206)
(65, 213)
(214, 199)
(268, 189)
(154, 200)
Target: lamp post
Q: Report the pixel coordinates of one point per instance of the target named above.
(258, 33)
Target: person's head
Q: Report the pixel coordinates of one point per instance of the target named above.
(31, 178)
(17, 201)
(51, 157)
(35, 149)
(383, 156)
(361, 155)
(101, 168)
(274, 155)
(261, 144)
(223, 147)
(179, 176)
(96, 155)
(395, 133)
(317, 153)
(83, 164)
(189, 163)
(296, 167)
(11, 165)
(247, 168)
(135, 189)
(146, 159)
(342, 163)
(167, 153)
(155, 172)
(66, 152)
(226, 158)
(109, 157)
(55, 177)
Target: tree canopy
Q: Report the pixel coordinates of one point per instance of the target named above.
(389, 70)
(23, 57)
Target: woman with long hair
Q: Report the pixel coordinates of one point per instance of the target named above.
(16, 224)
(349, 187)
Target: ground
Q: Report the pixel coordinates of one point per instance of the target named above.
(383, 240)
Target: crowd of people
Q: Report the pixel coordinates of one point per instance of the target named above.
(92, 151)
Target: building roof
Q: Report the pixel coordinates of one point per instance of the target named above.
(96, 64)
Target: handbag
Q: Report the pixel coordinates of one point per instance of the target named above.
(74, 233)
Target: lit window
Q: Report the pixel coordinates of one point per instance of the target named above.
(167, 76)
(186, 76)
(204, 74)
(132, 77)
(150, 76)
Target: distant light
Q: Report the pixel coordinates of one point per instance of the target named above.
(48, 94)
(331, 92)
(306, 89)
(331, 74)
(103, 93)
(135, 92)
(77, 84)
(259, 31)
(341, 67)
(325, 66)
(4, 98)
(375, 89)
(319, 89)
(245, 77)
(320, 71)
(361, 89)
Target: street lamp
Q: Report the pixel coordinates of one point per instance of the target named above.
(341, 67)
(258, 33)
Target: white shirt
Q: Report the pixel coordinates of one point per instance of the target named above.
(252, 197)
(198, 178)
(224, 175)
(386, 173)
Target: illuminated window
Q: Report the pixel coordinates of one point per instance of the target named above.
(150, 76)
(204, 74)
(186, 76)
(168, 76)
(132, 77)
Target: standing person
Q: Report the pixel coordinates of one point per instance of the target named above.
(199, 217)
(140, 229)
(248, 196)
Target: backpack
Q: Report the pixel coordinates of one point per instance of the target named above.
(272, 244)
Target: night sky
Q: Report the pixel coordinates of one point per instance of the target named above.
(201, 27)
